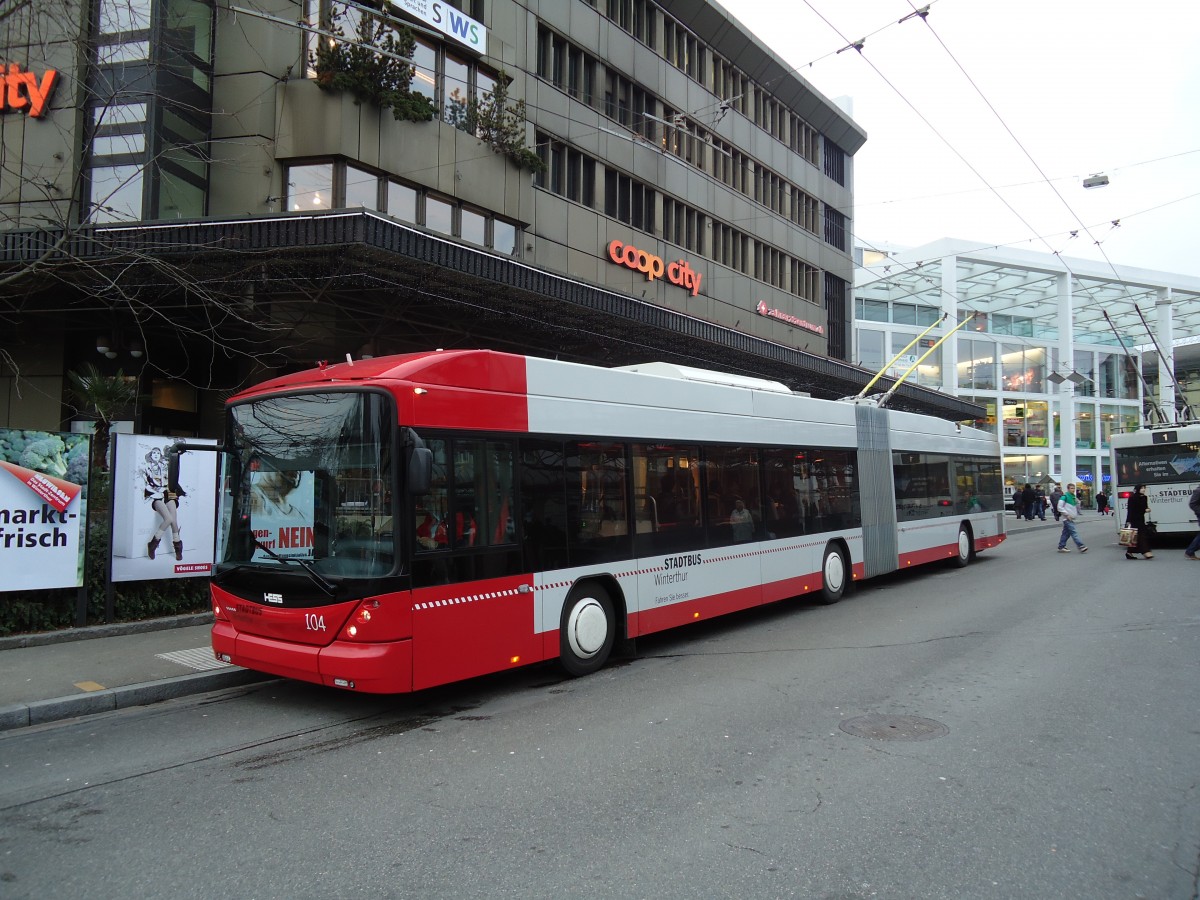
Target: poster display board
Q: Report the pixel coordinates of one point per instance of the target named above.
(164, 515)
(43, 509)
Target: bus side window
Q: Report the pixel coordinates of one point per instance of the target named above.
(431, 527)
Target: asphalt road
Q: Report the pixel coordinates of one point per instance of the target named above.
(1025, 727)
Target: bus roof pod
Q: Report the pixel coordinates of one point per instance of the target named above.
(687, 373)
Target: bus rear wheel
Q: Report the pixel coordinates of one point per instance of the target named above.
(963, 554)
(587, 630)
(835, 575)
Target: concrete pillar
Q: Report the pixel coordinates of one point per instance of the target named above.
(1166, 363)
(950, 305)
(1066, 390)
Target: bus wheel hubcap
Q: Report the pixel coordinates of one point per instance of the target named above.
(835, 572)
(587, 628)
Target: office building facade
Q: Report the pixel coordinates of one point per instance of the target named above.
(214, 193)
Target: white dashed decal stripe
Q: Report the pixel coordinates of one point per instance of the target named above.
(470, 598)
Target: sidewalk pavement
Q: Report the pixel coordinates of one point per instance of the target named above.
(78, 671)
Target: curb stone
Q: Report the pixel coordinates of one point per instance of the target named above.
(39, 712)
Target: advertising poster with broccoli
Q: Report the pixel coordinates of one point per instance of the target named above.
(43, 508)
(164, 509)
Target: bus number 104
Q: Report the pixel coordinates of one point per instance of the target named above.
(314, 622)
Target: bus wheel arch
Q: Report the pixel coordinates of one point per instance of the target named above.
(837, 573)
(964, 550)
(589, 626)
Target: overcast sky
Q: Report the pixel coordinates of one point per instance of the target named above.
(984, 119)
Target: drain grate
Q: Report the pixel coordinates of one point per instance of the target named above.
(894, 728)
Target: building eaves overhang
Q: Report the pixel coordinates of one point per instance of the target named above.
(348, 253)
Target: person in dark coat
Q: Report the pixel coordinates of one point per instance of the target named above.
(1136, 512)
(1029, 502)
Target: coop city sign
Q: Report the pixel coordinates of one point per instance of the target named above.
(25, 90)
(652, 266)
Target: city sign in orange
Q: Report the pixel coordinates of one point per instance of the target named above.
(24, 91)
(652, 266)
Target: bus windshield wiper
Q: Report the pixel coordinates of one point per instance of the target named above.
(326, 586)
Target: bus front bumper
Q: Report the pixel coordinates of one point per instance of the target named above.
(384, 668)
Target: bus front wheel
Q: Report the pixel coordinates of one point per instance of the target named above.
(587, 630)
(835, 574)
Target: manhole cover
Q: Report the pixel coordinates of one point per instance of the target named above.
(894, 728)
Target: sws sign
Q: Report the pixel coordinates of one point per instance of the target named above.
(25, 91)
(652, 266)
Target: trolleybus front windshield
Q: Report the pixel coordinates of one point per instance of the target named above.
(310, 484)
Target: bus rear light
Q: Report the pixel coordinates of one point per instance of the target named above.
(219, 613)
(695, 615)
(513, 660)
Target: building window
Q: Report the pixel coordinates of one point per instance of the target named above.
(569, 173)
(401, 202)
(504, 238)
(362, 189)
(628, 200)
(424, 79)
(871, 310)
(439, 215)
(456, 86)
(870, 349)
(116, 193)
(310, 187)
(835, 162)
(835, 228)
(473, 227)
(330, 185)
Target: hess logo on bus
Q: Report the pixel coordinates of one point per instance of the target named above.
(652, 266)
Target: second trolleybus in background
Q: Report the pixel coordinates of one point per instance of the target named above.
(1166, 459)
(408, 521)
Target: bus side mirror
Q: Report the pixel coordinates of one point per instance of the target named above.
(420, 470)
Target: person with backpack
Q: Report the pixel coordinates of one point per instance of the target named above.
(1055, 496)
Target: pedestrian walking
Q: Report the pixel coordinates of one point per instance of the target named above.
(1194, 506)
(1018, 506)
(1137, 510)
(1068, 509)
(1102, 503)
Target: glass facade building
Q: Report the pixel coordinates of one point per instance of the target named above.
(1041, 351)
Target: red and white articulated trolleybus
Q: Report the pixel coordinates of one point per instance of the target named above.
(403, 522)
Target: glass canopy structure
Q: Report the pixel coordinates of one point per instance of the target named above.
(1059, 351)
